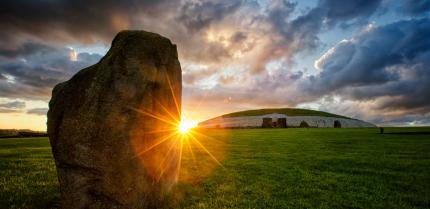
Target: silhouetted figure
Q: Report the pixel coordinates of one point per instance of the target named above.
(381, 130)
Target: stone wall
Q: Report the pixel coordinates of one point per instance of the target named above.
(292, 121)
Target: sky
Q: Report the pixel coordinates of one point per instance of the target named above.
(367, 59)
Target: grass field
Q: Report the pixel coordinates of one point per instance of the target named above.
(262, 168)
(27, 173)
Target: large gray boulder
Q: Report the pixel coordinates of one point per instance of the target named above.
(109, 148)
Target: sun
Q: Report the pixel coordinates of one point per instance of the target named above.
(185, 125)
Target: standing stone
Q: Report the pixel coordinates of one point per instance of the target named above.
(267, 123)
(112, 126)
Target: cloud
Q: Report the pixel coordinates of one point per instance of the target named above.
(387, 64)
(196, 15)
(33, 69)
(12, 107)
(38, 111)
(191, 24)
(24, 50)
(290, 37)
(64, 20)
(380, 74)
(232, 46)
(412, 120)
(413, 7)
(283, 36)
(274, 88)
(336, 11)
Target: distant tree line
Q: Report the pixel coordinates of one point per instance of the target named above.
(17, 133)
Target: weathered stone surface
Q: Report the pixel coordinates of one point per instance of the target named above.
(101, 125)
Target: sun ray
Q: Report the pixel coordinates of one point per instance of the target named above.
(173, 95)
(162, 130)
(206, 136)
(157, 143)
(163, 169)
(168, 112)
(207, 151)
(190, 149)
(180, 153)
(154, 116)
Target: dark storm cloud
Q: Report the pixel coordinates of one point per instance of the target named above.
(336, 11)
(12, 107)
(38, 111)
(196, 15)
(389, 63)
(31, 72)
(86, 21)
(329, 13)
(416, 7)
(23, 50)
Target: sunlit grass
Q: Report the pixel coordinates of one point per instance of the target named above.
(261, 168)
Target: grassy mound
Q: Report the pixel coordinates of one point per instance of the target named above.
(287, 111)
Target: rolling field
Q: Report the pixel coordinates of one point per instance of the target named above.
(261, 168)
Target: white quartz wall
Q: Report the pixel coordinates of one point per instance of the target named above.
(292, 121)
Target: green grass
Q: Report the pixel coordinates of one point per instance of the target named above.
(262, 168)
(287, 111)
(27, 173)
